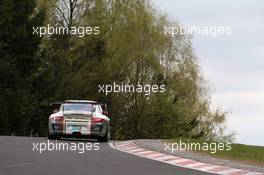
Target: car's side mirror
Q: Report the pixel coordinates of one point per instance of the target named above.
(105, 113)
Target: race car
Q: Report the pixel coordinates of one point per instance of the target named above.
(79, 119)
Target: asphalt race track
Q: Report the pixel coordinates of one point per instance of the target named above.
(18, 158)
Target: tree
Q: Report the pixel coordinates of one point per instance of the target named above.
(19, 63)
(131, 48)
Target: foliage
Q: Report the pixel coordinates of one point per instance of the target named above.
(131, 48)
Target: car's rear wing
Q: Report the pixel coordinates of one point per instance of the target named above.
(103, 105)
(57, 104)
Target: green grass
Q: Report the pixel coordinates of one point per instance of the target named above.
(242, 153)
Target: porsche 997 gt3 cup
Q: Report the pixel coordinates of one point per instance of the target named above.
(79, 118)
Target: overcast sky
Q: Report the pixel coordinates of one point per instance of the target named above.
(233, 64)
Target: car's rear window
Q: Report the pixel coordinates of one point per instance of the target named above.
(78, 107)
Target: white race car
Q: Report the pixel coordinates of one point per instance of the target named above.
(79, 118)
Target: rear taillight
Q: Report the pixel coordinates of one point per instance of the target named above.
(97, 120)
(58, 118)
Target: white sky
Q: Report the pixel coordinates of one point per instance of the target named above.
(233, 64)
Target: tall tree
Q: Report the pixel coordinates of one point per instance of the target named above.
(18, 61)
(131, 48)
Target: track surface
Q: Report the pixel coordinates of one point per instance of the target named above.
(17, 157)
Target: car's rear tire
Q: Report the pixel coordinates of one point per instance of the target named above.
(104, 138)
(53, 137)
(50, 137)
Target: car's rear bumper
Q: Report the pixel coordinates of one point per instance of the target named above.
(59, 135)
(76, 134)
(78, 129)
(96, 131)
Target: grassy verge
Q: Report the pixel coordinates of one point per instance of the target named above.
(243, 153)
